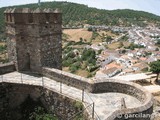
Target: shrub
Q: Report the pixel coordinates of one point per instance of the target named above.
(90, 29)
(73, 68)
(3, 48)
(78, 105)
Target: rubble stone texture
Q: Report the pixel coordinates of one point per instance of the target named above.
(34, 38)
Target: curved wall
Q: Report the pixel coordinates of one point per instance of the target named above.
(142, 112)
(101, 86)
(110, 85)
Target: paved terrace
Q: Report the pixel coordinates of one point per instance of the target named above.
(105, 103)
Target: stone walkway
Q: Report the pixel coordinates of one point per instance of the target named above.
(153, 88)
(105, 103)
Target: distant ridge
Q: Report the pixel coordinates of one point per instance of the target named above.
(78, 14)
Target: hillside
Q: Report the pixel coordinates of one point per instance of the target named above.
(76, 34)
(78, 14)
(87, 36)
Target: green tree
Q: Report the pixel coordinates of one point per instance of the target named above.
(3, 48)
(109, 39)
(124, 38)
(90, 29)
(73, 68)
(81, 39)
(78, 15)
(88, 54)
(158, 42)
(155, 68)
(124, 51)
(157, 49)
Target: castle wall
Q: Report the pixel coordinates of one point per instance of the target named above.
(104, 86)
(11, 43)
(135, 90)
(68, 78)
(13, 95)
(34, 43)
(49, 52)
(100, 86)
(6, 68)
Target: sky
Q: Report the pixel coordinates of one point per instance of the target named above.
(152, 6)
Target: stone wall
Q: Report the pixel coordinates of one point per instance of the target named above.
(62, 106)
(103, 86)
(13, 95)
(143, 112)
(120, 87)
(6, 68)
(68, 78)
(100, 86)
(4, 105)
(34, 38)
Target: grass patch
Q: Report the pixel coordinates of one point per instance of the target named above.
(115, 45)
(82, 73)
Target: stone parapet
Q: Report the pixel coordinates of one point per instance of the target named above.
(14, 95)
(6, 68)
(103, 86)
(68, 78)
(142, 112)
(32, 16)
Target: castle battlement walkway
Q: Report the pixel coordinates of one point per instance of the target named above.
(105, 103)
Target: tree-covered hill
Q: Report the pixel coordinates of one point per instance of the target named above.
(78, 14)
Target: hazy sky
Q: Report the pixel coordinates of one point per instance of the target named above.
(152, 6)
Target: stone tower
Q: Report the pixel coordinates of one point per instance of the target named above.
(34, 38)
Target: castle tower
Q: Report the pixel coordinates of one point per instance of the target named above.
(34, 38)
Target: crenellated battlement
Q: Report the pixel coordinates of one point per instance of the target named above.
(32, 16)
(34, 38)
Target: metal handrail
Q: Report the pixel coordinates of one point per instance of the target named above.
(98, 118)
(60, 91)
(92, 102)
(71, 118)
(2, 78)
(89, 97)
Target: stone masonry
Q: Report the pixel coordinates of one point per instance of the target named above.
(34, 38)
(13, 95)
(34, 44)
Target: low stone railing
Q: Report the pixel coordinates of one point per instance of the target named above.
(142, 112)
(68, 78)
(6, 68)
(101, 86)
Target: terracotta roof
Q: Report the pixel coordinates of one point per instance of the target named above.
(113, 64)
(134, 60)
(125, 57)
(143, 58)
(128, 70)
(109, 71)
(140, 65)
